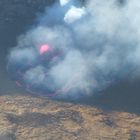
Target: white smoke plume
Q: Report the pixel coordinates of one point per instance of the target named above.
(90, 48)
(64, 2)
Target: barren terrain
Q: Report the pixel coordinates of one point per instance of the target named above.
(35, 118)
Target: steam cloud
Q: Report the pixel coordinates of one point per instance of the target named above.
(92, 46)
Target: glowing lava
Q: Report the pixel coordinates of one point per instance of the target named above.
(44, 48)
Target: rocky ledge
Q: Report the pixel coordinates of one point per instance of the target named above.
(35, 118)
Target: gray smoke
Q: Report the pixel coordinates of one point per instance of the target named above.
(97, 44)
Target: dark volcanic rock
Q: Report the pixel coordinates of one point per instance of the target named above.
(39, 119)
